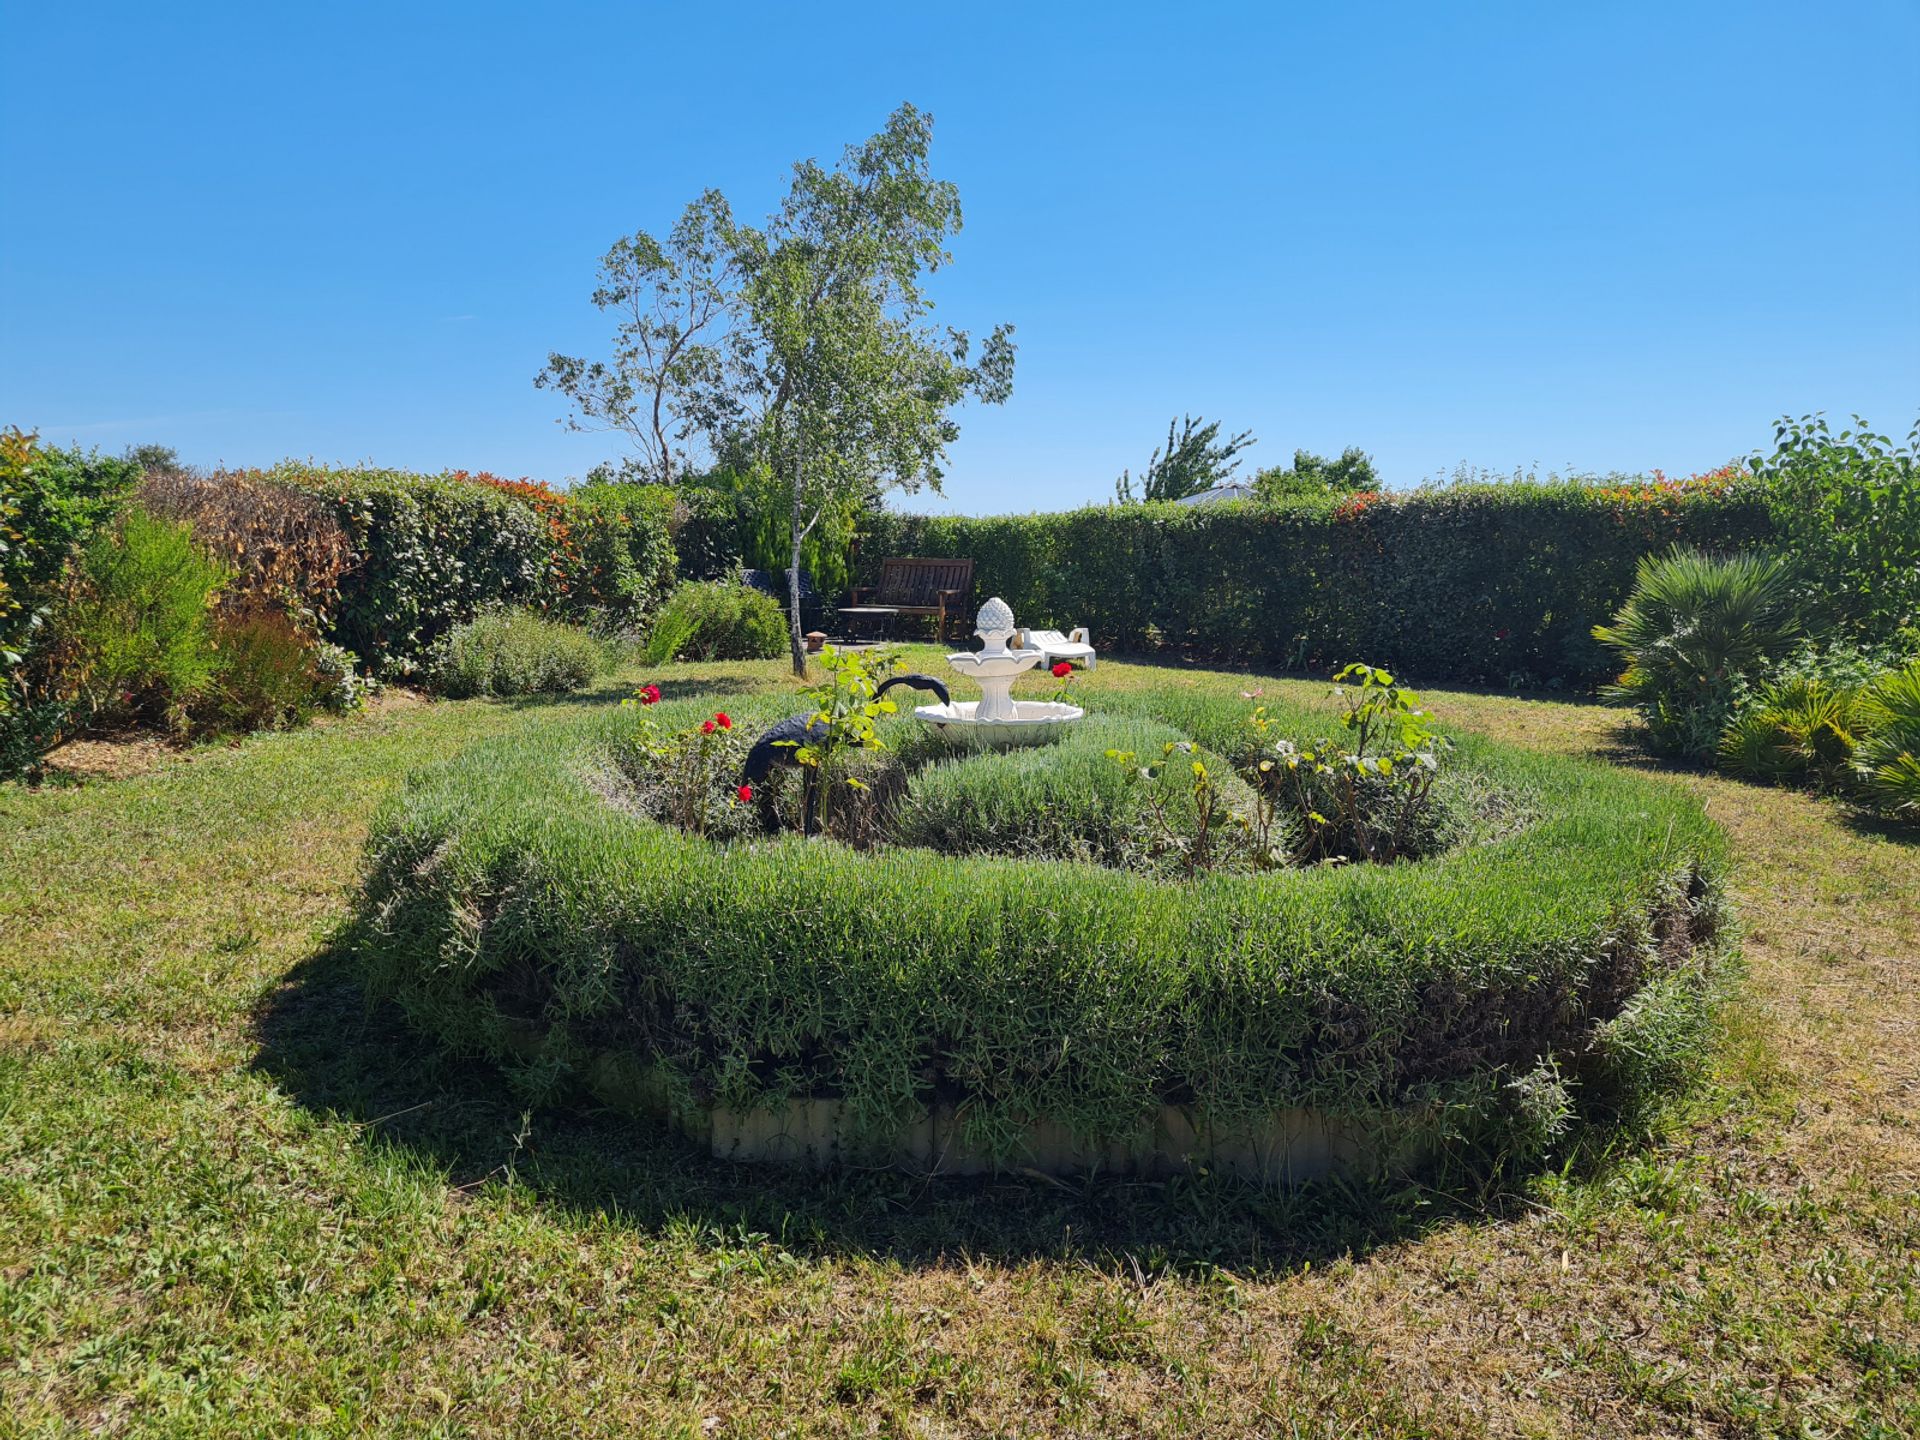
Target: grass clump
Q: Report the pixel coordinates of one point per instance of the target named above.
(1082, 799)
(514, 652)
(717, 620)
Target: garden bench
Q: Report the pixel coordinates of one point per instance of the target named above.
(918, 585)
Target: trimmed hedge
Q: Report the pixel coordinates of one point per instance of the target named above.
(432, 550)
(1486, 583)
(517, 913)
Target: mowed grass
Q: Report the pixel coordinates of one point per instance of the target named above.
(234, 1199)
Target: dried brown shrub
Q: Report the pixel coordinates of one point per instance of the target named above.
(287, 548)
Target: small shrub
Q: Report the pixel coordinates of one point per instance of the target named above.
(136, 627)
(347, 690)
(270, 675)
(1801, 728)
(1086, 798)
(514, 652)
(51, 501)
(1695, 631)
(1370, 798)
(1887, 759)
(717, 620)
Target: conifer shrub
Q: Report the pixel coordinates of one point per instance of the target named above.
(135, 626)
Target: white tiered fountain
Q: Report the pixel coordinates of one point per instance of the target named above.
(996, 718)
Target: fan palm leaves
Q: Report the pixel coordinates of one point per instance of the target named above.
(1887, 760)
(1694, 625)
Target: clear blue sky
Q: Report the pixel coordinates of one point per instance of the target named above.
(1607, 236)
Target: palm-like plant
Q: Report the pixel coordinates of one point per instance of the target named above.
(1695, 625)
(1887, 759)
(1799, 727)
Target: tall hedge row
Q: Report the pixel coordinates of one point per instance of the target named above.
(1494, 583)
(431, 550)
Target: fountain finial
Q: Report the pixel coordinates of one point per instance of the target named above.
(995, 626)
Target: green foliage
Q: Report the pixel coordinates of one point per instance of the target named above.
(432, 551)
(51, 501)
(136, 626)
(270, 676)
(152, 457)
(517, 913)
(627, 563)
(1369, 798)
(1195, 459)
(799, 349)
(1887, 759)
(1487, 583)
(514, 652)
(429, 551)
(1694, 630)
(1846, 508)
(846, 708)
(1312, 474)
(1799, 728)
(717, 620)
(1065, 801)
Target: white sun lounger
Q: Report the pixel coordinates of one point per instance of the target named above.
(1055, 646)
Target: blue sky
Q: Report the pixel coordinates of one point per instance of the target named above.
(1607, 236)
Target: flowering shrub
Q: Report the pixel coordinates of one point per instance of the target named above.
(683, 775)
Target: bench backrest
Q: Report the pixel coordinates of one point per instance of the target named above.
(918, 580)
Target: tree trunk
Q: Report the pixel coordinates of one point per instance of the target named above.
(794, 636)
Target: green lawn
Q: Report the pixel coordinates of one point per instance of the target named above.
(235, 1200)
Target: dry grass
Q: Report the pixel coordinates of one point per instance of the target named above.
(234, 1201)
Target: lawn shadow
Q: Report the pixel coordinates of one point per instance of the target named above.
(341, 1055)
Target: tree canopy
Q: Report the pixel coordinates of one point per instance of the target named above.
(1195, 459)
(800, 349)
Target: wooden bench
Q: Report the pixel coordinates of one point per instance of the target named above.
(917, 585)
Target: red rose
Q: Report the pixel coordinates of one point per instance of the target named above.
(1062, 670)
(649, 694)
(745, 792)
(722, 721)
(706, 727)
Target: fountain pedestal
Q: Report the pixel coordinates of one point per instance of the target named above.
(996, 718)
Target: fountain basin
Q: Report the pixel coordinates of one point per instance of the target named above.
(996, 719)
(1031, 722)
